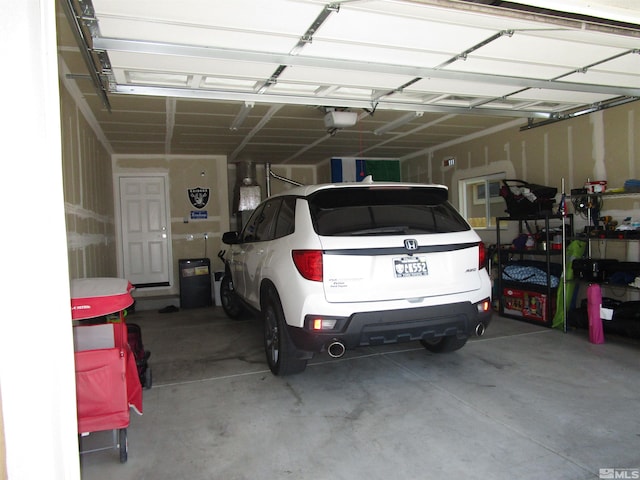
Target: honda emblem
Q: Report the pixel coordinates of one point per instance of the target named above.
(411, 244)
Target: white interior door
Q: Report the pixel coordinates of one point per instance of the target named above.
(145, 239)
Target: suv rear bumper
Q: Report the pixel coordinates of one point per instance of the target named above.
(393, 326)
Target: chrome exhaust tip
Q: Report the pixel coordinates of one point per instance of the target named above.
(480, 328)
(336, 349)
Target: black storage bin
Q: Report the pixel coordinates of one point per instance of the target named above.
(519, 205)
(594, 269)
(195, 282)
(625, 321)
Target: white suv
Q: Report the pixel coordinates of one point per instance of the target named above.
(337, 266)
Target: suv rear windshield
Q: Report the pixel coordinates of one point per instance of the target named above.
(384, 211)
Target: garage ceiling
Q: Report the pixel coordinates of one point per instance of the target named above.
(171, 77)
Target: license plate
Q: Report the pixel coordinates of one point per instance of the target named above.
(410, 267)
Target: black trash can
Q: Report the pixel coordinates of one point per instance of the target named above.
(195, 282)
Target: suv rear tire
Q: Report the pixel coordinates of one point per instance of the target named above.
(446, 344)
(282, 355)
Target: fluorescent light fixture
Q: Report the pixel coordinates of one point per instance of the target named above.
(242, 115)
(397, 122)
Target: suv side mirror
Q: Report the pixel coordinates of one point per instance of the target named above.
(230, 238)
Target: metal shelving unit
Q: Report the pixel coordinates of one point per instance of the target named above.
(523, 304)
(589, 239)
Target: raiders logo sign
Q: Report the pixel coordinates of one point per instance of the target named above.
(199, 197)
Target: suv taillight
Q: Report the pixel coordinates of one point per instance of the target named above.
(482, 255)
(308, 263)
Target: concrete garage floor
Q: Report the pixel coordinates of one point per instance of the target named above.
(522, 402)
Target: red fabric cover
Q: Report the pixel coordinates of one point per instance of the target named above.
(107, 384)
(101, 390)
(95, 297)
(134, 387)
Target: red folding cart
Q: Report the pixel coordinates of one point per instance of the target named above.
(107, 381)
